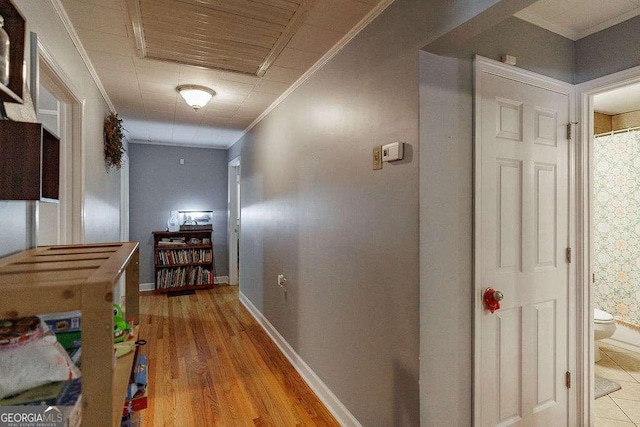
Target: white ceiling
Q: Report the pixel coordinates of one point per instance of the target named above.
(618, 101)
(143, 90)
(575, 19)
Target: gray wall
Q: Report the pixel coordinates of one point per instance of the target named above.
(347, 237)
(446, 210)
(605, 52)
(234, 151)
(15, 230)
(102, 198)
(537, 49)
(608, 51)
(160, 184)
(282, 211)
(446, 165)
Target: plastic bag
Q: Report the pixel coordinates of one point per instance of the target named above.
(31, 356)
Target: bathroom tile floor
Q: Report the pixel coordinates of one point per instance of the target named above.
(622, 407)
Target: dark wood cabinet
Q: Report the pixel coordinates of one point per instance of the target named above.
(15, 26)
(183, 260)
(29, 162)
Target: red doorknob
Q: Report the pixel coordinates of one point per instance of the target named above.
(492, 299)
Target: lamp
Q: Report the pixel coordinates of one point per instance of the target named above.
(196, 96)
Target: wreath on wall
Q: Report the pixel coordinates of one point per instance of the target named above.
(113, 137)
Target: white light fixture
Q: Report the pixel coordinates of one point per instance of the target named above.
(196, 96)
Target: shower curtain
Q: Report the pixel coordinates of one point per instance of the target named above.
(616, 215)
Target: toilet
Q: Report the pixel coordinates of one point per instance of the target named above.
(604, 326)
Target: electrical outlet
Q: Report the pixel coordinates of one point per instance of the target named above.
(282, 281)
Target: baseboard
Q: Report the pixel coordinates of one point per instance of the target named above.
(337, 409)
(221, 279)
(146, 287)
(625, 337)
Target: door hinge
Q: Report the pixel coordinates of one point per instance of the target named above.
(569, 130)
(567, 379)
(569, 255)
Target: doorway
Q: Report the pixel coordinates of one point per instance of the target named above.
(62, 110)
(234, 220)
(523, 227)
(52, 228)
(605, 253)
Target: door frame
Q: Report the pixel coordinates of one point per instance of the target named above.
(124, 198)
(50, 71)
(584, 93)
(485, 65)
(233, 210)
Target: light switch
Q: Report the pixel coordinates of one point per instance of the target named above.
(377, 157)
(182, 161)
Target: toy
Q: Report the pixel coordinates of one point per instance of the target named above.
(120, 326)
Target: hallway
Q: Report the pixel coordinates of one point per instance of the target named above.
(210, 363)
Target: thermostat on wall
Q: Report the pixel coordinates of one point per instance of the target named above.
(393, 151)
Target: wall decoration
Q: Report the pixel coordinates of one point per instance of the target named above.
(113, 141)
(616, 216)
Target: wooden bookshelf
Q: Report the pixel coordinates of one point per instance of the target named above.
(54, 279)
(183, 260)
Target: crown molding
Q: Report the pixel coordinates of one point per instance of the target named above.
(609, 23)
(373, 14)
(176, 144)
(66, 21)
(534, 19)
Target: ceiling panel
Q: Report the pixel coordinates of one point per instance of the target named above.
(314, 39)
(111, 4)
(112, 61)
(143, 89)
(282, 74)
(157, 76)
(267, 86)
(238, 35)
(105, 42)
(229, 98)
(95, 16)
(148, 86)
(337, 15)
(236, 88)
(299, 59)
(162, 116)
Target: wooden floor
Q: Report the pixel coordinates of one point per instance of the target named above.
(211, 364)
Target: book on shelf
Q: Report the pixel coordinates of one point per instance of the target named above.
(183, 276)
(171, 243)
(183, 256)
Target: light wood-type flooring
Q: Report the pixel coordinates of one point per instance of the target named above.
(211, 364)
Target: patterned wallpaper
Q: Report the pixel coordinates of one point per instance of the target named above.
(616, 241)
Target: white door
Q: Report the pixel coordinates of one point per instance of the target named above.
(522, 172)
(234, 221)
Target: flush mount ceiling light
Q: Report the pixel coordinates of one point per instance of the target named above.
(196, 96)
